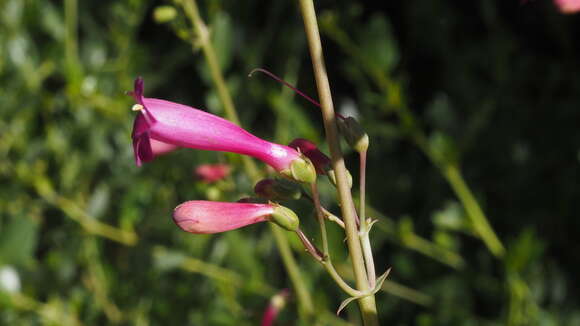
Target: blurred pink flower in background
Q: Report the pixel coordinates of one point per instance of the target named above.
(210, 173)
(568, 6)
(276, 304)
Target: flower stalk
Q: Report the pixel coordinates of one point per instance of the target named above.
(367, 303)
(325, 260)
(364, 226)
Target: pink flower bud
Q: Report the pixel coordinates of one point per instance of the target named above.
(568, 6)
(200, 216)
(183, 126)
(320, 160)
(210, 173)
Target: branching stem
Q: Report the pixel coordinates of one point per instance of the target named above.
(367, 304)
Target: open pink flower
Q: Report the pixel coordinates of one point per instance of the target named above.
(201, 216)
(210, 173)
(320, 160)
(178, 125)
(568, 6)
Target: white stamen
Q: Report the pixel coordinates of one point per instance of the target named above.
(137, 107)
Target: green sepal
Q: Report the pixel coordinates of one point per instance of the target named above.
(332, 177)
(301, 170)
(285, 218)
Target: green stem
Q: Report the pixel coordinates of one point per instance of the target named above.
(338, 279)
(362, 188)
(474, 211)
(305, 306)
(303, 296)
(231, 114)
(320, 217)
(70, 14)
(366, 304)
(72, 66)
(309, 246)
(364, 229)
(326, 262)
(327, 214)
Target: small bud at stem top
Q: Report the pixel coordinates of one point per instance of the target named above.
(354, 134)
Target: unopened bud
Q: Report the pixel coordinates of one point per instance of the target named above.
(278, 189)
(285, 218)
(354, 134)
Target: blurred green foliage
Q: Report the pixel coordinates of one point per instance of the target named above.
(484, 93)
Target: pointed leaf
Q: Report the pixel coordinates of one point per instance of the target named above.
(345, 303)
(381, 280)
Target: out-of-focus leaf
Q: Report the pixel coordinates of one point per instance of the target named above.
(451, 217)
(443, 149)
(164, 14)
(378, 44)
(99, 201)
(52, 20)
(441, 113)
(222, 37)
(18, 241)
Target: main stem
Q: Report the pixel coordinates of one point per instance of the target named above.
(367, 304)
(303, 296)
(453, 176)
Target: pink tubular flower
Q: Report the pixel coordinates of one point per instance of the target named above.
(201, 216)
(210, 173)
(176, 125)
(568, 6)
(320, 160)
